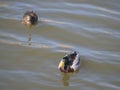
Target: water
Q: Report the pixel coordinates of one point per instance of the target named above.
(91, 27)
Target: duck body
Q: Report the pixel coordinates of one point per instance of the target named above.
(66, 65)
(30, 18)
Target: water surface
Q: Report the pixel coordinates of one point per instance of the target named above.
(91, 27)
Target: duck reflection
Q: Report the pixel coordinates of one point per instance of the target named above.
(29, 37)
(65, 79)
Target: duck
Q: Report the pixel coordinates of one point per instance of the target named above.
(30, 18)
(70, 62)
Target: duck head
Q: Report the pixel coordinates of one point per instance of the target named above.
(30, 18)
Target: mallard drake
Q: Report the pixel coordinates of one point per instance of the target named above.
(70, 62)
(30, 18)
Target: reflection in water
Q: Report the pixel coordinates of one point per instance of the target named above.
(29, 26)
(29, 37)
(65, 79)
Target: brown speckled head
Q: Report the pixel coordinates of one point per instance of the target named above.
(30, 18)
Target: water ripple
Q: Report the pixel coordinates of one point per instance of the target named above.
(92, 28)
(28, 76)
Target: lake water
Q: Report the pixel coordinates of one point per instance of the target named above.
(91, 27)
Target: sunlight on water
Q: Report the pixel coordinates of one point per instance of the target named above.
(29, 57)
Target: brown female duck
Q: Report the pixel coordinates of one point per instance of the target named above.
(30, 18)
